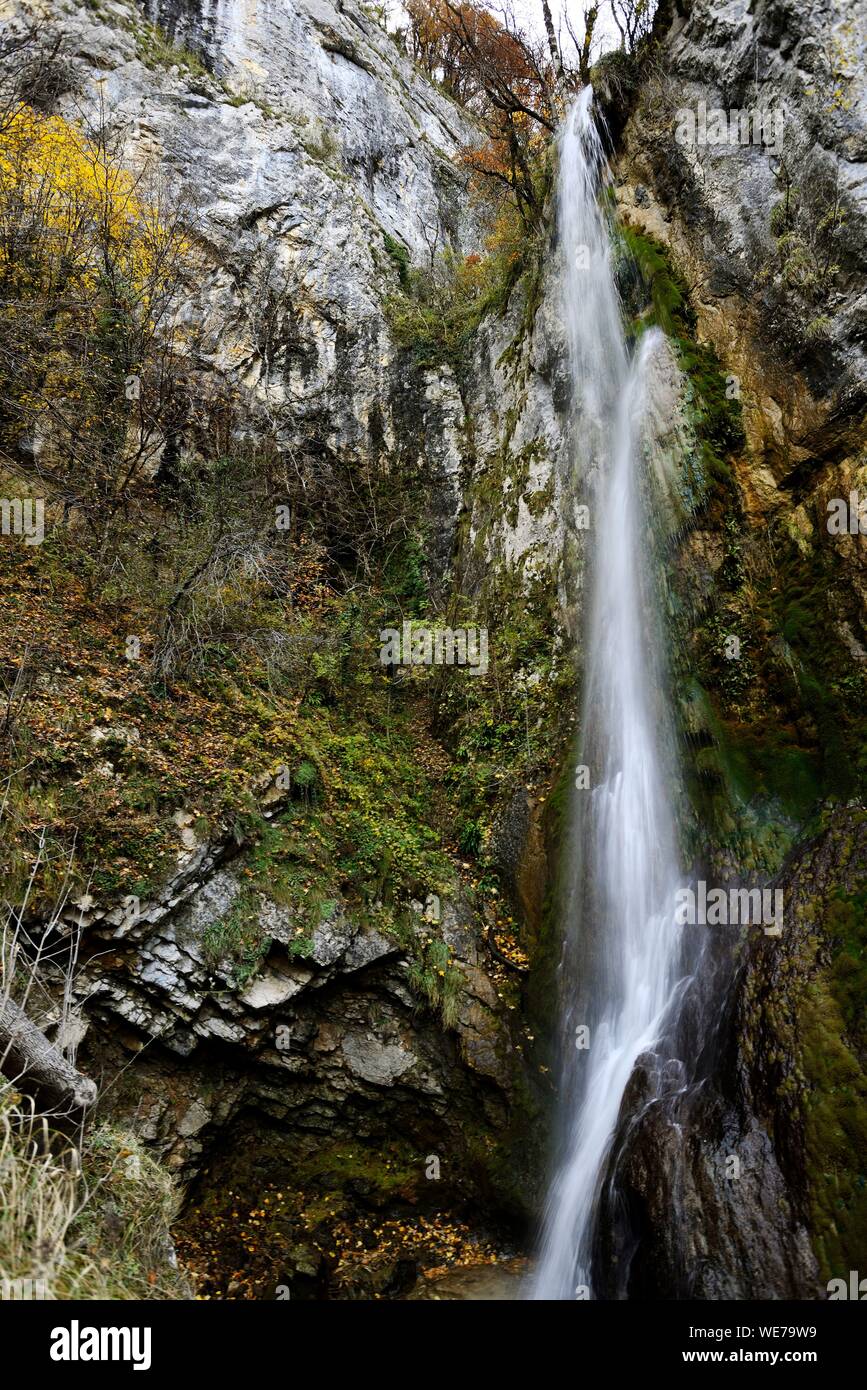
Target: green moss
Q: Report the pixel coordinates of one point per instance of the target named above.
(249, 98)
(547, 951)
(670, 305)
(846, 924)
(508, 727)
(828, 686)
(715, 411)
(836, 1119)
(383, 1171)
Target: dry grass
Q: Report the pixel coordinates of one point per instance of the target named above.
(85, 1211)
(89, 1222)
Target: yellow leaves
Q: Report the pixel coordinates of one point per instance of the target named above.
(73, 205)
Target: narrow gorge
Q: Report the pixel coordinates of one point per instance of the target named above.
(433, 588)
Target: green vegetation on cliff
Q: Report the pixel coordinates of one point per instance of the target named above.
(782, 726)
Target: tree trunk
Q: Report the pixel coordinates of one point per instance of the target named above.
(590, 17)
(556, 59)
(27, 1056)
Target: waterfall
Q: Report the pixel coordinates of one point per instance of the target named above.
(621, 957)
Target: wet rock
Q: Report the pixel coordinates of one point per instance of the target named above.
(375, 1061)
(721, 1188)
(705, 1209)
(476, 1283)
(383, 1279)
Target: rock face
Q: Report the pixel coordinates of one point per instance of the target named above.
(521, 487)
(314, 161)
(327, 1037)
(692, 1231)
(309, 157)
(768, 231)
(321, 1072)
(801, 1058)
(744, 1183)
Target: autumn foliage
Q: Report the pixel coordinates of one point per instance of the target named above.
(91, 267)
(471, 52)
(505, 78)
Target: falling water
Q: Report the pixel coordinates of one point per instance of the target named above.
(621, 955)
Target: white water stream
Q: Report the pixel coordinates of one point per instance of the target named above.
(621, 958)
